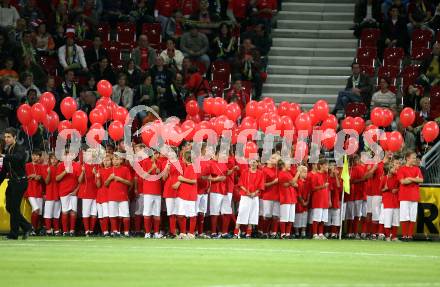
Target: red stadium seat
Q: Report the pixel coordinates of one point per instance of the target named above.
(217, 88)
(393, 57)
(247, 86)
(114, 52)
(435, 102)
(126, 35)
(85, 44)
(221, 71)
(104, 31)
(409, 75)
(355, 110)
(367, 70)
(388, 72)
(421, 38)
(366, 56)
(49, 64)
(153, 32)
(420, 53)
(369, 37)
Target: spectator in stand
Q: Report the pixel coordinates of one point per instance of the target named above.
(87, 101)
(189, 7)
(51, 87)
(8, 15)
(238, 12)
(31, 12)
(174, 27)
(133, 73)
(71, 56)
(195, 45)
(58, 37)
(238, 94)
(186, 65)
(224, 45)
(384, 97)
(144, 93)
(8, 104)
(161, 78)
(408, 136)
(68, 5)
(163, 10)
(248, 65)
(419, 13)
(82, 29)
(399, 4)
(197, 86)
(172, 57)
(95, 52)
(358, 89)
(25, 84)
(16, 35)
(141, 14)
(60, 17)
(35, 69)
(92, 10)
(8, 72)
(6, 50)
(91, 83)
(122, 94)
(260, 39)
(434, 24)
(410, 98)
(174, 98)
(264, 10)
(43, 41)
(430, 70)
(143, 56)
(424, 114)
(68, 87)
(27, 48)
(204, 17)
(31, 97)
(394, 32)
(103, 71)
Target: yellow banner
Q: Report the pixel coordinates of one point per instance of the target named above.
(428, 218)
(4, 215)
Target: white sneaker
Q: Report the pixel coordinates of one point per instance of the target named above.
(157, 236)
(147, 236)
(316, 237)
(182, 236)
(322, 237)
(190, 236)
(388, 239)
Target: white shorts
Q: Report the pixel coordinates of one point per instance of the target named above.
(391, 217)
(171, 206)
(260, 207)
(360, 208)
(89, 208)
(185, 207)
(69, 203)
(36, 204)
(138, 205)
(202, 203)
(382, 215)
(334, 217)
(52, 209)
(151, 205)
(320, 214)
(373, 206)
(271, 208)
(118, 209)
(102, 209)
(309, 217)
(287, 212)
(301, 220)
(248, 210)
(220, 204)
(349, 210)
(408, 211)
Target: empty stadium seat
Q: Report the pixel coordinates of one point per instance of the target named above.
(217, 88)
(153, 32)
(420, 53)
(355, 110)
(49, 64)
(435, 102)
(221, 71)
(369, 37)
(388, 72)
(393, 57)
(367, 70)
(126, 35)
(421, 38)
(409, 75)
(366, 56)
(104, 31)
(114, 52)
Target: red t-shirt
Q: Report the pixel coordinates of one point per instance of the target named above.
(302, 191)
(88, 188)
(409, 192)
(144, 59)
(35, 187)
(218, 169)
(205, 170)
(153, 187)
(287, 194)
(117, 191)
(266, 4)
(252, 181)
(188, 191)
(168, 191)
(373, 185)
(335, 192)
(102, 194)
(166, 7)
(70, 180)
(358, 189)
(189, 7)
(389, 199)
(230, 178)
(270, 192)
(52, 186)
(320, 198)
(239, 8)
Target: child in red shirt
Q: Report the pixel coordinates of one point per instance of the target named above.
(389, 185)
(104, 171)
(34, 192)
(218, 198)
(270, 199)
(301, 207)
(334, 216)
(52, 204)
(287, 184)
(320, 199)
(137, 204)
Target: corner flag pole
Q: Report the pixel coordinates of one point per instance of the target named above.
(342, 213)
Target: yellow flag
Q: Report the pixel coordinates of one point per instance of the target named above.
(345, 175)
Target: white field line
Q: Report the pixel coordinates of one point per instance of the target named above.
(427, 284)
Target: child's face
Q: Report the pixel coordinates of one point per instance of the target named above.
(116, 161)
(107, 161)
(324, 167)
(303, 173)
(35, 158)
(53, 160)
(253, 164)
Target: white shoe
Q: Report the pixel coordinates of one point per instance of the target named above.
(157, 236)
(182, 236)
(190, 236)
(147, 236)
(322, 237)
(388, 239)
(316, 237)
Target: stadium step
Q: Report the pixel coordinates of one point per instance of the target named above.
(319, 1)
(309, 52)
(319, 7)
(306, 100)
(320, 34)
(315, 16)
(302, 89)
(306, 79)
(312, 25)
(315, 43)
(311, 61)
(307, 70)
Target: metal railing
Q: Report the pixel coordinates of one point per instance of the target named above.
(431, 165)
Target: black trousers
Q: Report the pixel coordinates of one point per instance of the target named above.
(14, 195)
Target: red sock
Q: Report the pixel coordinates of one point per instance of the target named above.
(156, 224)
(356, 225)
(380, 229)
(315, 227)
(48, 223)
(35, 218)
(65, 221)
(126, 222)
(349, 226)
(405, 226)
(236, 231)
(92, 223)
(172, 219)
(214, 219)
(282, 227)
(334, 229)
(411, 229)
(138, 223)
(147, 224)
(288, 228)
(114, 224)
(394, 232)
(375, 227)
(103, 222)
(233, 219)
(369, 226)
(261, 224)
(182, 224)
(387, 232)
(72, 221)
(56, 224)
(225, 223)
(200, 223)
(364, 223)
(86, 224)
(192, 224)
(321, 228)
(249, 231)
(275, 224)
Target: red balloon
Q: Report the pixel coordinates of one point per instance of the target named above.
(116, 130)
(203, 125)
(294, 111)
(321, 109)
(188, 125)
(107, 112)
(68, 107)
(430, 131)
(358, 125)
(195, 119)
(97, 116)
(104, 88)
(79, 121)
(348, 123)
(264, 121)
(208, 105)
(222, 123)
(150, 135)
(233, 111)
(251, 109)
(176, 140)
(192, 108)
(64, 125)
(268, 100)
(31, 128)
(407, 117)
(283, 108)
(286, 124)
(52, 121)
(250, 149)
(331, 122)
(248, 123)
(270, 107)
(329, 139)
(377, 116)
(47, 99)
(388, 117)
(103, 101)
(39, 112)
(24, 114)
(394, 141)
(303, 123)
(96, 126)
(384, 142)
(260, 110)
(219, 106)
(313, 117)
(120, 114)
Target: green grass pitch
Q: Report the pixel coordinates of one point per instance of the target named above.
(223, 263)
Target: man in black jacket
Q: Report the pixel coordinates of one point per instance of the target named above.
(14, 160)
(96, 52)
(358, 89)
